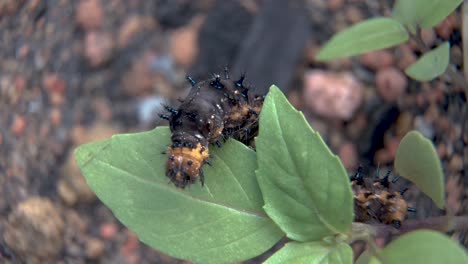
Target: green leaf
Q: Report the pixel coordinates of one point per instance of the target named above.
(416, 160)
(423, 247)
(313, 252)
(368, 35)
(367, 258)
(423, 13)
(305, 187)
(221, 222)
(431, 64)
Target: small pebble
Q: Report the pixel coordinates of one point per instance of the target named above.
(404, 123)
(382, 156)
(53, 83)
(442, 150)
(131, 245)
(446, 27)
(428, 36)
(148, 107)
(132, 26)
(455, 164)
(108, 231)
(94, 248)
(72, 187)
(349, 156)
(354, 14)
(129, 29)
(376, 60)
(295, 98)
(392, 146)
(406, 56)
(98, 48)
(391, 84)
(422, 126)
(357, 126)
(454, 190)
(20, 84)
(90, 14)
(335, 4)
(19, 125)
(332, 95)
(139, 80)
(35, 229)
(55, 116)
(103, 109)
(184, 43)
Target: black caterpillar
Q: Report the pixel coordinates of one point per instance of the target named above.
(214, 110)
(375, 201)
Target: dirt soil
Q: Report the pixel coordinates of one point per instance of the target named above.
(73, 72)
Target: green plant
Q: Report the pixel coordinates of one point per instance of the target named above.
(292, 186)
(409, 17)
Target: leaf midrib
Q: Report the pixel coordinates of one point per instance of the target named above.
(319, 214)
(179, 193)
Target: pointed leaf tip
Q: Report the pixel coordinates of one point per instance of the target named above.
(368, 35)
(430, 65)
(416, 160)
(303, 183)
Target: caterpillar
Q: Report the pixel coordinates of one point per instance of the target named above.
(373, 200)
(214, 110)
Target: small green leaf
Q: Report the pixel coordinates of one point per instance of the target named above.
(312, 252)
(423, 13)
(423, 247)
(305, 187)
(431, 64)
(416, 160)
(368, 35)
(221, 222)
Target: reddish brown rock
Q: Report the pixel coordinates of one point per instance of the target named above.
(406, 56)
(55, 87)
(349, 156)
(19, 125)
(354, 14)
(335, 4)
(132, 26)
(404, 123)
(98, 48)
(391, 84)
(184, 43)
(428, 36)
(89, 14)
(455, 164)
(72, 187)
(53, 83)
(55, 116)
(376, 60)
(446, 27)
(139, 79)
(454, 190)
(35, 230)
(94, 248)
(332, 95)
(9, 7)
(108, 231)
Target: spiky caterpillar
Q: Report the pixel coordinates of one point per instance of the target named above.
(214, 110)
(374, 200)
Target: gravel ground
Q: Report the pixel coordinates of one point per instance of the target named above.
(77, 71)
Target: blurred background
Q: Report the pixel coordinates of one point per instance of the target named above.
(72, 72)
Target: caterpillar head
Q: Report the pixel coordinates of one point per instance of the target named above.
(184, 163)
